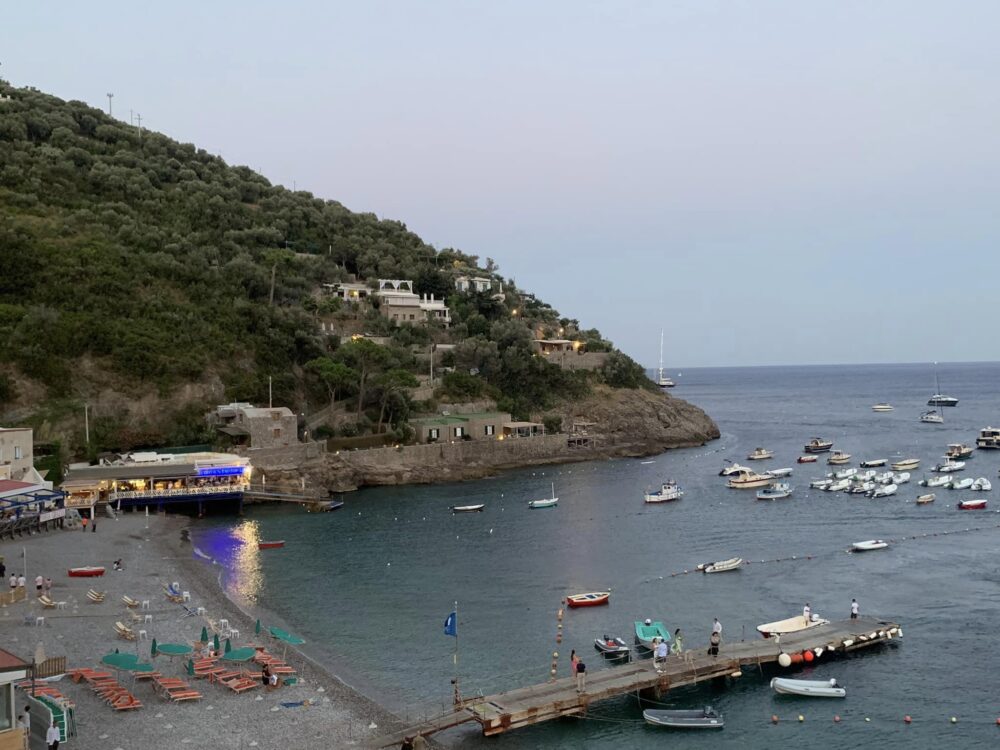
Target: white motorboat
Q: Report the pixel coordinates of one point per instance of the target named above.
(882, 407)
(668, 491)
(790, 625)
(869, 545)
(905, 464)
(548, 502)
(902, 478)
(838, 486)
(775, 491)
(873, 463)
(862, 488)
(845, 473)
(749, 481)
(958, 451)
(780, 472)
(982, 485)
(939, 399)
(820, 484)
(838, 457)
(989, 438)
(722, 566)
(931, 417)
(961, 483)
(760, 454)
(884, 478)
(734, 468)
(884, 491)
(924, 499)
(818, 445)
(865, 476)
(808, 688)
(938, 481)
(949, 466)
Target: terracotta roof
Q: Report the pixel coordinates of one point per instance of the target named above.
(10, 485)
(10, 663)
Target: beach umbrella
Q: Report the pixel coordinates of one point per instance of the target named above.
(204, 634)
(286, 638)
(215, 643)
(189, 667)
(152, 648)
(173, 649)
(256, 627)
(240, 655)
(120, 661)
(229, 646)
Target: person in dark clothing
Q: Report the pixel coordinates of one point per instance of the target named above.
(713, 644)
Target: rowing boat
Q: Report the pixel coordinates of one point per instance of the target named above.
(271, 545)
(87, 571)
(467, 508)
(722, 566)
(703, 718)
(593, 599)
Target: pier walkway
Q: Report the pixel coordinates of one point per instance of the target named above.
(549, 700)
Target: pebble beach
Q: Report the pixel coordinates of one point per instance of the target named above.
(318, 711)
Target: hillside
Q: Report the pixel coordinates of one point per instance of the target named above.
(150, 280)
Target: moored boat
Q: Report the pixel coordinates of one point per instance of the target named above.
(780, 472)
(949, 466)
(982, 484)
(668, 491)
(775, 491)
(884, 490)
(977, 504)
(873, 463)
(467, 508)
(323, 506)
(939, 399)
(646, 632)
(271, 545)
(790, 625)
(612, 647)
(938, 481)
(882, 407)
(989, 438)
(592, 599)
(818, 445)
(704, 718)
(839, 485)
(806, 459)
(820, 484)
(808, 688)
(845, 473)
(924, 499)
(958, 451)
(901, 478)
(905, 464)
(838, 457)
(87, 571)
(869, 545)
(749, 481)
(722, 566)
(734, 468)
(931, 417)
(547, 502)
(861, 488)
(961, 483)
(759, 454)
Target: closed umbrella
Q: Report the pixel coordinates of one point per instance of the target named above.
(256, 627)
(152, 648)
(229, 646)
(204, 634)
(215, 643)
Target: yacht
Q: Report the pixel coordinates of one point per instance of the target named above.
(838, 457)
(734, 468)
(957, 451)
(989, 438)
(931, 417)
(941, 400)
(662, 380)
(818, 445)
(749, 481)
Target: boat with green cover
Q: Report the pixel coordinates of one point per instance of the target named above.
(646, 631)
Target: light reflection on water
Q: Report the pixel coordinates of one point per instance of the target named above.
(236, 549)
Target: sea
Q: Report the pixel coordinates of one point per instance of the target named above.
(369, 586)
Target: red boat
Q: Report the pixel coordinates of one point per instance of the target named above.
(978, 504)
(592, 599)
(807, 459)
(271, 545)
(88, 571)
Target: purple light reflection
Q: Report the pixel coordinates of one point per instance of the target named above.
(236, 550)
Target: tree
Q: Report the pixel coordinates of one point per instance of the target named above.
(336, 376)
(393, 383)
(276, 257)
(366, 358)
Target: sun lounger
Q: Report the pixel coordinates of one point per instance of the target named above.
(86, 673)
(97, 597)
(241, 685)
(46, 602)
(126, 702)
(123, 631)
(129, 601)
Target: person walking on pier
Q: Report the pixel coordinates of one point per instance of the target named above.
(807, 613)
(678, 644)
(854, 609)
(660, 655)
(581, 676)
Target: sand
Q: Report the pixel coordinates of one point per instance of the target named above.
(337, 717)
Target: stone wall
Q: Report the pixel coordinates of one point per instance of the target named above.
(286, 458)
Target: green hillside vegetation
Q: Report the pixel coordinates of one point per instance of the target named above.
(136, 262)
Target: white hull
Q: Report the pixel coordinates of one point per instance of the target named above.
(886, 491)
(724, 566)
(780, 472)
(907, 464)
(868, 546)
(808, 688)
(961, 484)
(790, 625)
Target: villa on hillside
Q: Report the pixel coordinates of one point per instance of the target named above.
(348, 291)
(400, 304)
(253, 427)
(570, 355)
(449, 427)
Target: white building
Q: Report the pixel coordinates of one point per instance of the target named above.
(400, 304)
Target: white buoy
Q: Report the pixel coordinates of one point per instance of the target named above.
(784, 660)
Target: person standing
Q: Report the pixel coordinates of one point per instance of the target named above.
(3, 570)
(581, 676)
(713, 643)
(24, 720)
(83, 523)
(854, 609)
(13, 581)
(717, 627)
(660, 660)
(807, 613)
(48, 587)
(39, 585)
(678, 645)
(21, 581)
(573, 661)
(93, 523)
(52, 736)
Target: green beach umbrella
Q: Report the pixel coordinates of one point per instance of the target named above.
(152, 648)
(189, 667)
(256, 627)
(215, 643)
(174, 649)
(142, 667)
(204, 634)
(286, 638)
(120, 661)
(240, 655)
(229, 646)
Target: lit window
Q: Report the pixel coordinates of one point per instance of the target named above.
(459, 431)
(433, 433)
(489, 429)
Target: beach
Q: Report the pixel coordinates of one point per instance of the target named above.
(318, 711)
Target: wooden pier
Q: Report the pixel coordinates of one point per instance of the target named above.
(522, 707)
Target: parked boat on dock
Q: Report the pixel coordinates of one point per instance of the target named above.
(790, 625)
(613, 647)
(647, 631)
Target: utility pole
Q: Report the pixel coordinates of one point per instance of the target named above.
(86, 423)
(110, 97)
(138, 119)
(270, 402)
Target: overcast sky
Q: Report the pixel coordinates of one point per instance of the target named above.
(770, 182)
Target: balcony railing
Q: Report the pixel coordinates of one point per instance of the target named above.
(142, 494)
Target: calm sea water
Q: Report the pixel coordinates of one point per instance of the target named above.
(370, 586)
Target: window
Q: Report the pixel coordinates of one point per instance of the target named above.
(277, 432)
(459, 431)
(434, 433)
(490, 429)
(6, 720)
(275, 415)
(17, 452)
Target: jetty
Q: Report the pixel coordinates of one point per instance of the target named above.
(533, 704)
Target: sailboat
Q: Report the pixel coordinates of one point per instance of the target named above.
(547, 502)
(661, 380)
(938, 399)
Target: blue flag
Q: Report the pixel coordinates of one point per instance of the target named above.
(451, 625)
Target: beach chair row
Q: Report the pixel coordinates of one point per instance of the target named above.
(107, 687)
(175, 689)
(45, 689)
(236, 681)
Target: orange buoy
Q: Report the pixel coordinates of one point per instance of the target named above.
(907, 719)
(774, 718)
(808, 656)
(796, 658)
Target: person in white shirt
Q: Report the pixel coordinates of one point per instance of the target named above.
(13, 581)
(24, 720)
(807, 612)
(854, 609)
(39, 584)
(21, 581)
(717, 626)
(660, 659)
(52, 736)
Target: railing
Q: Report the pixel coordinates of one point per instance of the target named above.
(143, 494)
(51, 667)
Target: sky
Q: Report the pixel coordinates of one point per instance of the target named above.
(768, 182)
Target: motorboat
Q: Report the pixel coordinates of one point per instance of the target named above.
(668, 491)
(977, 504)
(648, 631)
(958, 451)
(467, 508)
(845, 473)
(807, 688)
(865, 476)
(775, 491)
(924, 499)
(861, 488)
(939, 399)
(869, 545)
(722, 566)
(901, 478)
(820, 484)
(749, 481)
(87, 571)
(932, 417)
(838, 486)
(905, 464)
(275, 544)
(884, 478)
(818, 445)
(938, 481)
(734, 468)
(702, 718)
(981, 485)
(989, 438)
(547, 502)
(961, 483)
(759, 454)
(873, 463)
(806, 459)
(776, 473)
(949, 466)
(838, 457)
(612, 647)
(790, 625)
(592, 599)
(884, 491)
(882, 407)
